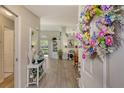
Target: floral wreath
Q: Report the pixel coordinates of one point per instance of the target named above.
(106, 38)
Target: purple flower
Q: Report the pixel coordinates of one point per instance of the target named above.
(105, 7)
(108, 20)
(78, 36)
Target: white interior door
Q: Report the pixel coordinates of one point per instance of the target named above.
(91, 72)
(8, 51)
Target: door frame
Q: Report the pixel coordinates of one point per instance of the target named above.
(17, 62)
(17, 48)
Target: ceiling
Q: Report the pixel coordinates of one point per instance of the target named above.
(6, 13)
(49, 35)
(57, 13)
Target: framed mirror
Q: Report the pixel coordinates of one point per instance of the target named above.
(33, 44)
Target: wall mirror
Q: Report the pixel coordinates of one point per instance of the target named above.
(33, 44)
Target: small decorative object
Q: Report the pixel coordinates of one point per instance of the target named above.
(105, 39)
(108, 40)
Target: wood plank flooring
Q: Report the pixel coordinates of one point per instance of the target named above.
(59, 74)
(8, 82)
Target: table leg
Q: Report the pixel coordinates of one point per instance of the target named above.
(38, 77)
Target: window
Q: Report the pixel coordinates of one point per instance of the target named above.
(44, 46)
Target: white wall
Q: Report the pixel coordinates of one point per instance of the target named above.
(28, 20)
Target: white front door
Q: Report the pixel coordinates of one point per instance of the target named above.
(91, 72)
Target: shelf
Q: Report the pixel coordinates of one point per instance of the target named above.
(32, 83)
(35, 68)
(38, 74)
(41, 75)
(35, 65)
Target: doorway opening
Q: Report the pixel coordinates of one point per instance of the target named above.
(7, 48)
(44, 47)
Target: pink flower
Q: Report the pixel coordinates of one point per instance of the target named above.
(92, 42)
(108, 40)
(84, 55)
(101, 33)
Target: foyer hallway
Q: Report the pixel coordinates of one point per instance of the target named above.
(59, 74)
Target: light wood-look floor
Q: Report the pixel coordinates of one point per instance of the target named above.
(59, 74)
(8, 82)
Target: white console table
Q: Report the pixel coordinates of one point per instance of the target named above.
(35, 72)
